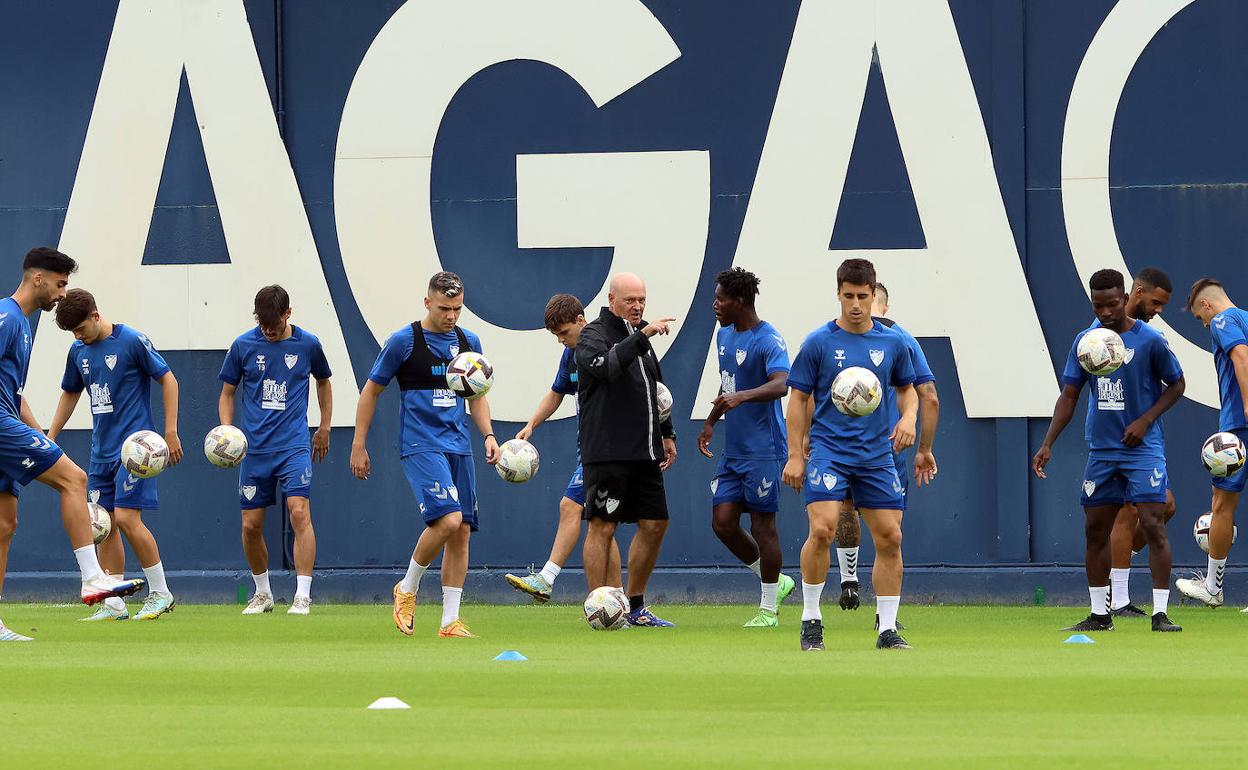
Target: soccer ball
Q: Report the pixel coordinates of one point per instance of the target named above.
(225, 446)
(664, 397)
(470, 375)
(606, 609)
(517, 461)
(1101, 351)
(1201, 531)
(856, 392)
(1222, 454)
(144, 454)
(101, 522)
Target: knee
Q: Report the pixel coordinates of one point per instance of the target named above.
(300, 513)
(1096, 532)
(887, 541)
(75, 482)
(8, 525)
(569, 510)
(822, 534)
(723, 525)
(652, 527)
(1167, 513)
(253, 528)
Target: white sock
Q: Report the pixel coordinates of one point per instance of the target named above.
(450, 604)
(115, 603)
(411, 581)
(1213, 578)
(886, 607)
(550, 572)
(303, 586)
(155, 575)
(811, 592)
(262, 583)
(1121, 595)
(768, 601)
(1100, 599)
(756, 568)
(1161, 599)
(88, 563)
(847, 560)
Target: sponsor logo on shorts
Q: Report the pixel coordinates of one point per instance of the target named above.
(764, 487)
(1089, 487)
(305, 478)
(603, 500)
(28, 463)
(829, 481)
(1156, 479)
(248, 492)
(130, 481)
(714, 486)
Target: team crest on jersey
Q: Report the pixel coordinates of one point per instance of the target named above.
(877, 357)
(248, 492)
(110, 361)
(1088, 488)
(714, 486)
(1130, 355)
(291, 360)
(260, 362)
(740, 356)
(454, 350)
(829, 481)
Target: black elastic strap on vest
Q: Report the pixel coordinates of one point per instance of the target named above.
(423, 370)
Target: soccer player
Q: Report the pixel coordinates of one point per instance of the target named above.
(850, 456)
(25, 452)
(1150, 292)
(1126, 457)
(273, 362)
(434, 447)
(625, 447)
(753, 368)
(565, 317)
(848, 533)
(1228, 325)
(117, 364)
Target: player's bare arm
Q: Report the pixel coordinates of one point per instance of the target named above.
(225, 403)
(929, 416)
(325, 402)
(908, 414)
(1134, 433)
(64, 409)
(169, 398)
(1063, 411)
(545, 408)
(1239, 360)
(361, 465)
(479, 410)
(797, 420)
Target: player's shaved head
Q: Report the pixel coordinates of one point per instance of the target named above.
(1205, 289)
(626, 296)
(446, 283)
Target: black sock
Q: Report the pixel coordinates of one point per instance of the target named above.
(636, 602)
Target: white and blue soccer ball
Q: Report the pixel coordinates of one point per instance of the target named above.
(856, 392)
(1101, 351)
(1222, 454)
(101, 522)
(1200, 530)
(470, 375)
(606, 609)
(225, 446)
(518, 461)
(664, 398)
(144, 454)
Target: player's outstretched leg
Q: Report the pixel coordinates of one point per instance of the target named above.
(1098, 522)
(1121, 541)
(431, 542)
(539, 584)
(8, 525)
(257, 553)
(300, 512)
(848, 538)
(112, 557)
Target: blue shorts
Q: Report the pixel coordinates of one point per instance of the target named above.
(25, 454)
(110, 485)
(576, 487)
(1237, 482)
(261, 472)
(875, 488)
(1114, 482)
(752, 483)
(443, 483)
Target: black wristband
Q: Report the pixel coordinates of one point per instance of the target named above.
(490, 435)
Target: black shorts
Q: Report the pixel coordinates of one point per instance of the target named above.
(624, 492)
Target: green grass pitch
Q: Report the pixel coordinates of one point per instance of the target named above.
(990, 687)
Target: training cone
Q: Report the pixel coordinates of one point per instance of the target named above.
(388, 703)
(1080, 639)
(510, 655)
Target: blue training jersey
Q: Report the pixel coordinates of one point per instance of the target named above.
(922, 372)
(117, 373)
(273, 378)
(565, 384)
(14, 355)
(1116, 400)
(429, 420)
(1229, 329)
(854, 441)
(754, 430)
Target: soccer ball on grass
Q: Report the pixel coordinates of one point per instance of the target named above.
(606, 609)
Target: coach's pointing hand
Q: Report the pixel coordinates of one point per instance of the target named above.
(661, 326)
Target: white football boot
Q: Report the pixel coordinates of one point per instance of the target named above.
(259, 603)
(302, 605)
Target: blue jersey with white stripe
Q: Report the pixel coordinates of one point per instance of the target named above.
(1229, 330)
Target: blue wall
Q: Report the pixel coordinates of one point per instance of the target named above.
(1178, 170)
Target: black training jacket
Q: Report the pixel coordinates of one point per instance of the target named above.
(616, 375)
